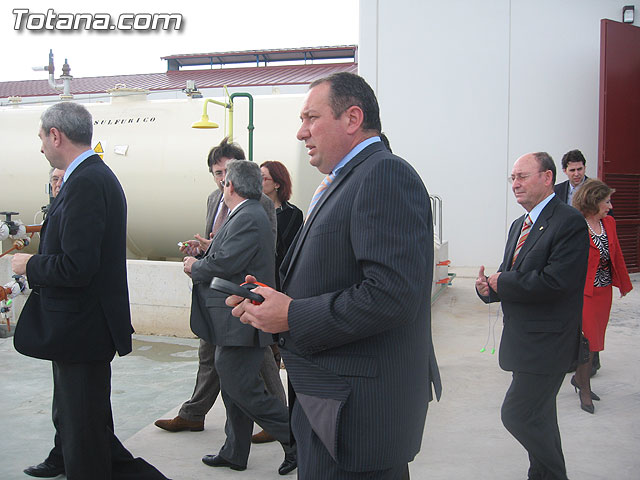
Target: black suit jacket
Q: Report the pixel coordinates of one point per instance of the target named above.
(562, 190)
(542, 293)
(359, 353)
(78, 310)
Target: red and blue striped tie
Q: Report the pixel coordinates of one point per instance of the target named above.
(524, 233)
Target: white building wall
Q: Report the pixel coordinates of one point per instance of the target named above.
(467, 87)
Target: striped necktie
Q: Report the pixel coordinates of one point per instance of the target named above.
(319, 191)
(524, 233)
(223, 213)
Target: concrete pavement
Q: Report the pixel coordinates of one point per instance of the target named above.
(463, 438)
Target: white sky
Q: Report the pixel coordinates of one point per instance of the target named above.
(209, 26)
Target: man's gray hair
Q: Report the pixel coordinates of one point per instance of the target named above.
(70, 118)
(246, 178)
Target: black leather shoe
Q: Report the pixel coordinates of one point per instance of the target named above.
(218, 461)
(289, 465)
(44, 470)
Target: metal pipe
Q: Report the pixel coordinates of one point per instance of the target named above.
(65, 86)
(250, 127)
(230, 106)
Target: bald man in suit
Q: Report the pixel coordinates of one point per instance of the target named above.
(540, 286)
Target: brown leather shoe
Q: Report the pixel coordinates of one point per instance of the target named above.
(179, 424)
(262, 437)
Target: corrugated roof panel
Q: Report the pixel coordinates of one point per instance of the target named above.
(273, 55)
(172, 80)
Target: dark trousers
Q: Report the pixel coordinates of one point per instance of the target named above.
(207, 386)
(246, 400)
(315, 463)
(529, 413)
(84, 426)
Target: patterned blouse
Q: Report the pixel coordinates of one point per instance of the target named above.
(603, 274)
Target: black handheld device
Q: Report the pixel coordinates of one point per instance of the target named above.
(230, 288)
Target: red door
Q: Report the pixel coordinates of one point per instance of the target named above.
(619, 130)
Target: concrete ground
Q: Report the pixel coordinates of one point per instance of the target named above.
(463, 438)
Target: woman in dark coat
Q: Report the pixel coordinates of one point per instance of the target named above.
(276, 184)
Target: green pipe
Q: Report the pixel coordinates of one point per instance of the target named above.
(250, 127)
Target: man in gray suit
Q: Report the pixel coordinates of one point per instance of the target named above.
(243, 245)
(192, 413)
(354, 325)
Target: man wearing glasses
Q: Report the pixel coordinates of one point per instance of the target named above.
(55, 181)
(539, 284)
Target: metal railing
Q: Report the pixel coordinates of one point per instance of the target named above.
(436, 211)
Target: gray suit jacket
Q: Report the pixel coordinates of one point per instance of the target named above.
(359, 353)
(213, 203)
(243, 245)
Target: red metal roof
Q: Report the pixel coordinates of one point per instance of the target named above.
(172, 80)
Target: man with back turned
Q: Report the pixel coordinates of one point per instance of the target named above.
(540, 285)
(244, 244)
(354, 325)
(78, 315)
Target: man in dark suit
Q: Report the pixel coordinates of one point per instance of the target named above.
(192, 412)
(354, 326)
(573, 166)
(244, 245)
(540, 285)
(78, 312)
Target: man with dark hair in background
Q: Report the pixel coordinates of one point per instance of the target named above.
(243, 245)
(540, 285)
(354, 326)
(78, 315)
(573, 166)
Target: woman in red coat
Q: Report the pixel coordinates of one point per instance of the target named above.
(606, 268)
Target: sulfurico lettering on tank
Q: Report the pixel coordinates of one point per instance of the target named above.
(123, 121)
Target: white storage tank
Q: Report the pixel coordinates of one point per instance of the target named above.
(159, 159)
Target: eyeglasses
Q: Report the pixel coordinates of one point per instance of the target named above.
(521, 177)
(264, 179)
